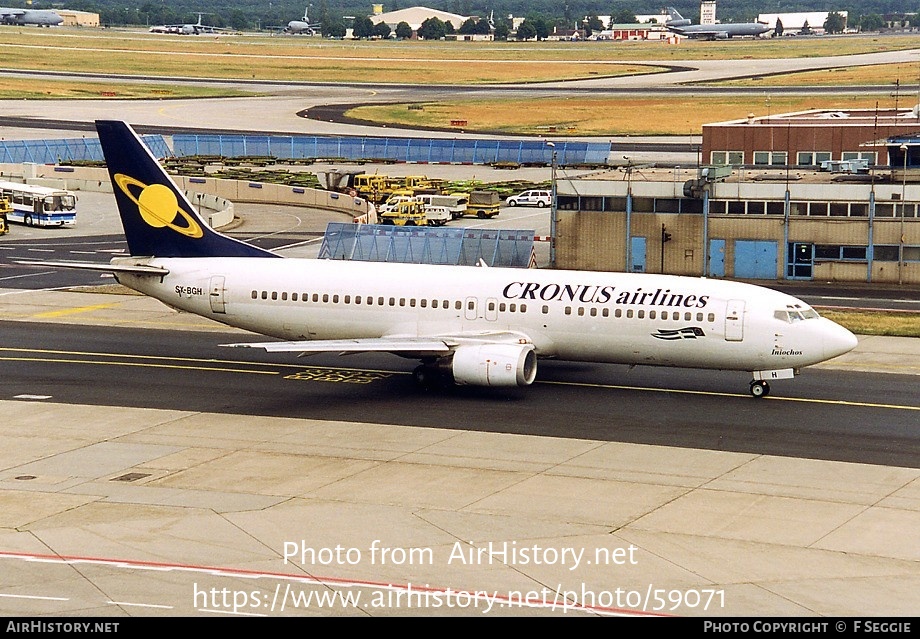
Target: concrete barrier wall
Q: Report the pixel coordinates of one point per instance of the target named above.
(216, 195)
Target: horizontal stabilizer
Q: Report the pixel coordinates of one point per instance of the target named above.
(137, 269)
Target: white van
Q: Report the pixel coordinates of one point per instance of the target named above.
(456, 204)
(531, 198)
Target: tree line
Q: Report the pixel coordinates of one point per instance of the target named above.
(542, 16)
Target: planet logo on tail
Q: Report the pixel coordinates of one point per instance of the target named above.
(158, 206)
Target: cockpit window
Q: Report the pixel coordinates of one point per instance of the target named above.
(795, 313)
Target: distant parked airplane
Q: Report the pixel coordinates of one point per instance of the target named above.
(680, 25)
(191, 29)
(39, 17)
(304, 26)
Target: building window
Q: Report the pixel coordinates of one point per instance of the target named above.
(798, 208)
(870, 156)
(667, 205)
(771, 158)
(776, 208)
(838, 253)
(756, 208)
(734, 158)
(812, 158)
(885, 253)
(736, 207)
(884, 210)
(839, 209)
(817, 208)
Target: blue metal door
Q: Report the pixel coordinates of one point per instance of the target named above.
(637, 251)
(716, 258)
(755, 259)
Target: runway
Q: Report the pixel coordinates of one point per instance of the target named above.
(148, 472)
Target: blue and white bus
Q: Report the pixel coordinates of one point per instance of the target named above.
(39, 205)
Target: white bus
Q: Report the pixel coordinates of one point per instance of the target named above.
(39, 205)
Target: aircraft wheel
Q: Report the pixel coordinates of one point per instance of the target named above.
(760, 388)
(427, 378)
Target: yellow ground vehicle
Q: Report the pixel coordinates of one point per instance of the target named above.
(372, 187)
(483, 204)
(409, 213)
(4, 209)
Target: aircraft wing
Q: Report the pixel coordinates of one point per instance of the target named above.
(433, 345)
(6, 13)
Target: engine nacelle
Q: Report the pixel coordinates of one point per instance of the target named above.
(494, 365)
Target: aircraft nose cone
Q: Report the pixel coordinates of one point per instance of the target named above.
(838, 340)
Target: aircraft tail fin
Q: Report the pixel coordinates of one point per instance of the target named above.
(158, 219)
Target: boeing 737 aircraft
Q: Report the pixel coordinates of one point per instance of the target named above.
(467, 325)
(680, 25)
(39, 17)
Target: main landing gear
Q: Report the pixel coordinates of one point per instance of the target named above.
(760, 388)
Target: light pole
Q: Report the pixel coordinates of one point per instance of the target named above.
(552, 209)
(903, 148)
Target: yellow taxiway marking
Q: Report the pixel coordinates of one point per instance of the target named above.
(75, 310)
(806, 400)
(325, 369)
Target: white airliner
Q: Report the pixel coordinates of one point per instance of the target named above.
(719, 31)
(467, 325)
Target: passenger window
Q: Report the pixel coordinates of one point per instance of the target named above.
(651, 314)
(606, 312)
(619, 312)
(688, 317)
(423, 303)
(255, 295)
(335, 299)
(284, 295)
(699, 317)
(274, 295)
(545, 309)
(325, 298)
(568, 310)
(629, 314)
(293, 297)
(641, 315)
(712, 317)
(348, 299)
(581, 311)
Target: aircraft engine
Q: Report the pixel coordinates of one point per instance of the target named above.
(494, 365)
